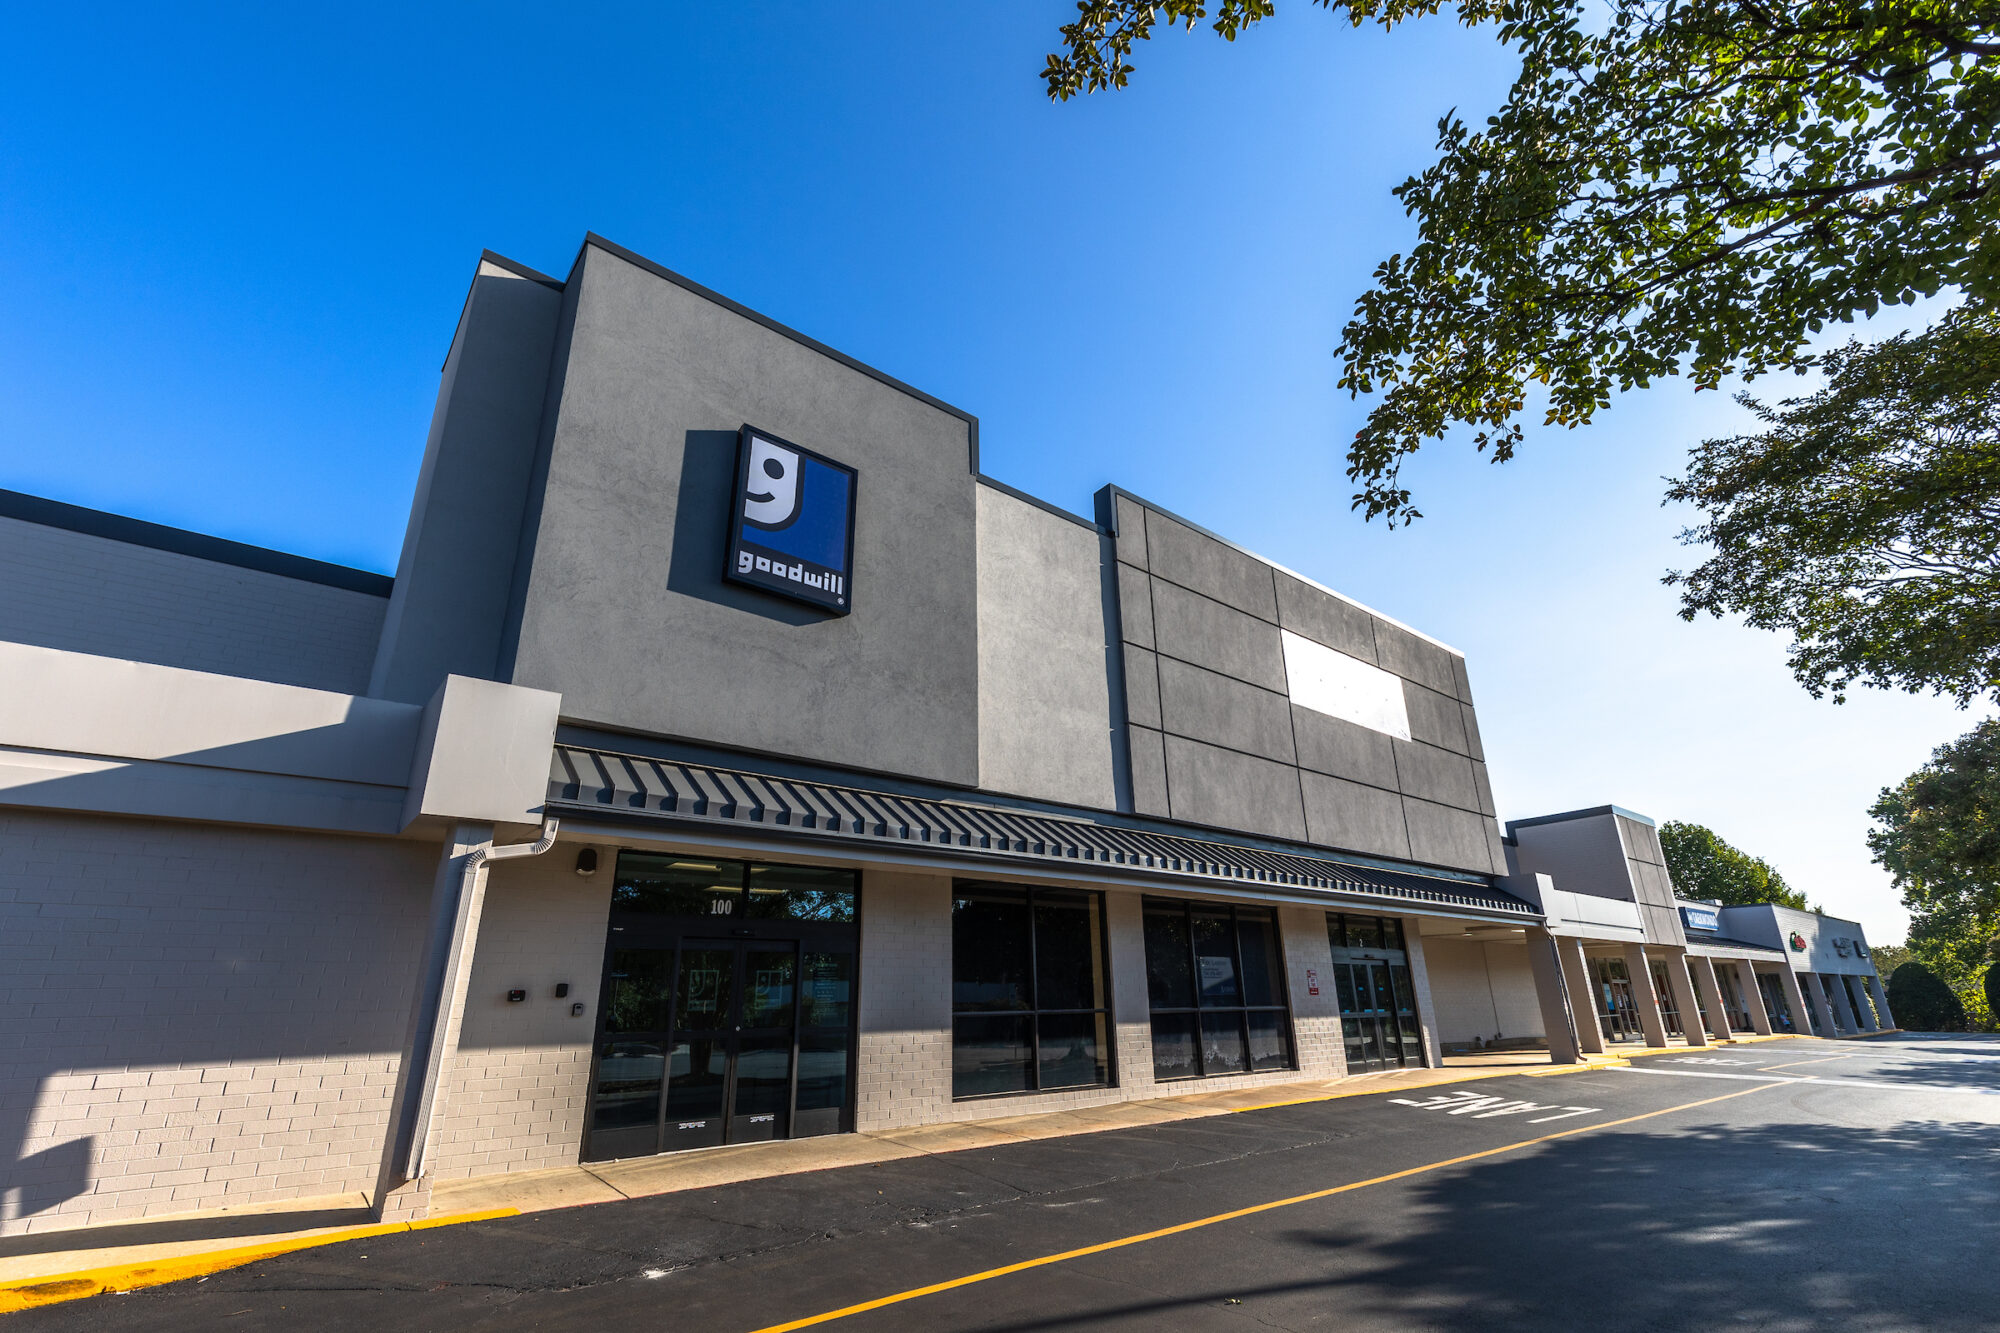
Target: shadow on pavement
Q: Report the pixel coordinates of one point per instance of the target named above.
(1784, 1227)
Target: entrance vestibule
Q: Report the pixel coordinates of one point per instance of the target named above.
(728, 1011)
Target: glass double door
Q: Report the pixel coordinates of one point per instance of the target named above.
(1617, 1012)
(1378, 1014)
(711, 1041)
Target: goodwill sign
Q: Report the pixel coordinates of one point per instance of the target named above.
(791, 527)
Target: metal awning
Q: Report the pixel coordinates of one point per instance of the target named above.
(697, 795)
(1721, 946)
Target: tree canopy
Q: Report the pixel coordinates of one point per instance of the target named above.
(1703, 866)
(1864, 519)
(1672, 187)
(1938, 835)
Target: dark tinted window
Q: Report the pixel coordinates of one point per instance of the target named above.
(666, 885)
(991, 954)
(1028, 990)
(1215, 977)
(801, 893)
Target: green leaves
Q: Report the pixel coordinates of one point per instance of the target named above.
(1703, 866)
(1675, 187)
(1864, 520)
(1938, 834)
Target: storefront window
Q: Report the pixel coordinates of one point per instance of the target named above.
(662, 884)
(1216, 982)
(1028, 991)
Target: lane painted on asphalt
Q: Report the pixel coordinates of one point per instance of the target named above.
(1181, 1228)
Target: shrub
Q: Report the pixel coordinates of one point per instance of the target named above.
(1922, 1002)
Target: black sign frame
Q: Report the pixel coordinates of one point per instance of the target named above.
(790, 576)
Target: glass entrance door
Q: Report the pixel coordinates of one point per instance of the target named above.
(1617, 1015)
(1371, 981)
(729, 1055)
(705, 1040)
(1775, 1005)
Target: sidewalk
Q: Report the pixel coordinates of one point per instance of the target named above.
(55, 1266)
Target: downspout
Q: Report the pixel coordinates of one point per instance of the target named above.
(468, 891)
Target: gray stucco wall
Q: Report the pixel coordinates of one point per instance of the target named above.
(90, 594)
(622, 608)
(1044, 701)
(457, 567)
(1216, 739)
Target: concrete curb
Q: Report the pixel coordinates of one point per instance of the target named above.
(51, 1289)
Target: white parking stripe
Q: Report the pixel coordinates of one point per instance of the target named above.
(1814, 1078)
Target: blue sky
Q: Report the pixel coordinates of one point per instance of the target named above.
(234, 243)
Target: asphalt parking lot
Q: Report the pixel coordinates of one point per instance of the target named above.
(1789, 1185)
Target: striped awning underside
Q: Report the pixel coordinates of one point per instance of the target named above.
(602, 780)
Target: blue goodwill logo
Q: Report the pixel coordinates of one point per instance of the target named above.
(791, 525)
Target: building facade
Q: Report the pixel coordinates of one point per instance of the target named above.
(727, 760)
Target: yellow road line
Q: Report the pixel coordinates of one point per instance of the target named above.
(49, 1289)
(1179, 1227)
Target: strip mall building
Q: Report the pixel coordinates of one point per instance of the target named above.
(729, 760)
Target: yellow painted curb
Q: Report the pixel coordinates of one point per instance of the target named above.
(50, 1289)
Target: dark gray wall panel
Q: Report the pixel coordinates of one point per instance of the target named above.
(1305, 610)
(1207, 633)
(1224, 711)
(1149, 773)
(1415, 659)
(1131, 524)
(1436, 775)
(623, 608)
(1142, 688)
(1181, 555)
(457, 568)
(1473, 745)
(1135, 605)
(1498, 849)
(1464, 681)
(1485, 787)
(1443, 836)
(1206, 785)
(1219, 668)
(1358, 818)
(1344, 750)
(1044, 701)
(1436, 719)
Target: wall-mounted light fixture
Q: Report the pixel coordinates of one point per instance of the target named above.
(586, 862)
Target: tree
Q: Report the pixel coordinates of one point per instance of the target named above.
(1702, 865)
(1887, 958)
(1922, 1003)
(1672, 186)
(1864, 520)
(1938, 836)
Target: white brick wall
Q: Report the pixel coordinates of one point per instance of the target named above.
(193, 1016)
(61, 589)
(520, 1085)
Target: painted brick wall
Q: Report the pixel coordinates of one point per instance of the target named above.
(193, 1016)
(520, 1085)
(61, 589)
(905, 998)
(1481, 989)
